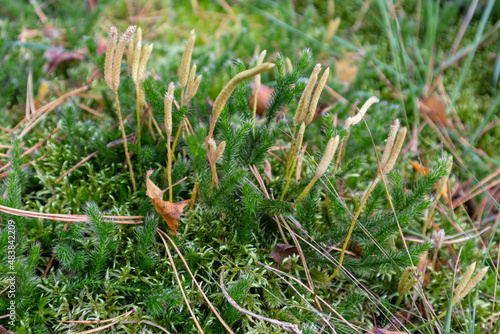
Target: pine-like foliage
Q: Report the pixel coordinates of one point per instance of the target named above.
(378, 225)
(240, 212)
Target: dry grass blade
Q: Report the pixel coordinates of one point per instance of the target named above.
(256, 173)
(197, 285)
(302, 258)
(96, 321)
(179, 282)
(340, 317)
(290, 328)
(69, 218)
(99, 328)
(41, 112)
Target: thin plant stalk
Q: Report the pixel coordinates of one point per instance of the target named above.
(353, 223)
(288, 161)
(196, 283)
(138, 113)
(176, 138)
(214, 172)
(124, 135)
(389, 157)
(294, 155)
(169, 169)
(179, 282)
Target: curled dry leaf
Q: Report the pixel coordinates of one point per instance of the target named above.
(419, 168)
(55, 57)
(282, 251)
(434, 108)
(424, 171)
(171, 212)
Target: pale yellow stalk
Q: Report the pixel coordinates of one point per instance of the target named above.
(359, 116)
(169, 98)
(112, 65)
(226, 92)
(394, 149)
(294, 156)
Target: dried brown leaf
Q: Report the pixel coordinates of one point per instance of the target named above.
(263, 97)
(56, 57)
(282, 251)
(171, 212)
(435, 109)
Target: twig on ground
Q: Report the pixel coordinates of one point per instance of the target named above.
(290, 328)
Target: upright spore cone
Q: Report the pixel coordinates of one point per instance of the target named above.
(317, 93)
(395, 152)
(390, 142)
(169, 98)
(305, 99)
(117, 60)
(327, 156)
(110, 53)
(186, 60)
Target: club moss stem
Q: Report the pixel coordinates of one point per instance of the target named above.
(139, 109)
(124, 135)
(176, 138)
(214, 171)
(306, 190)
(169, 169)
(353, 223)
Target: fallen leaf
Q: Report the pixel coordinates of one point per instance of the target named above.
(55, 57)
(424, 171)
(171, 212)
(419, 168)
(263, 97)
(434, 108)
(345, 71)
(282, 251)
